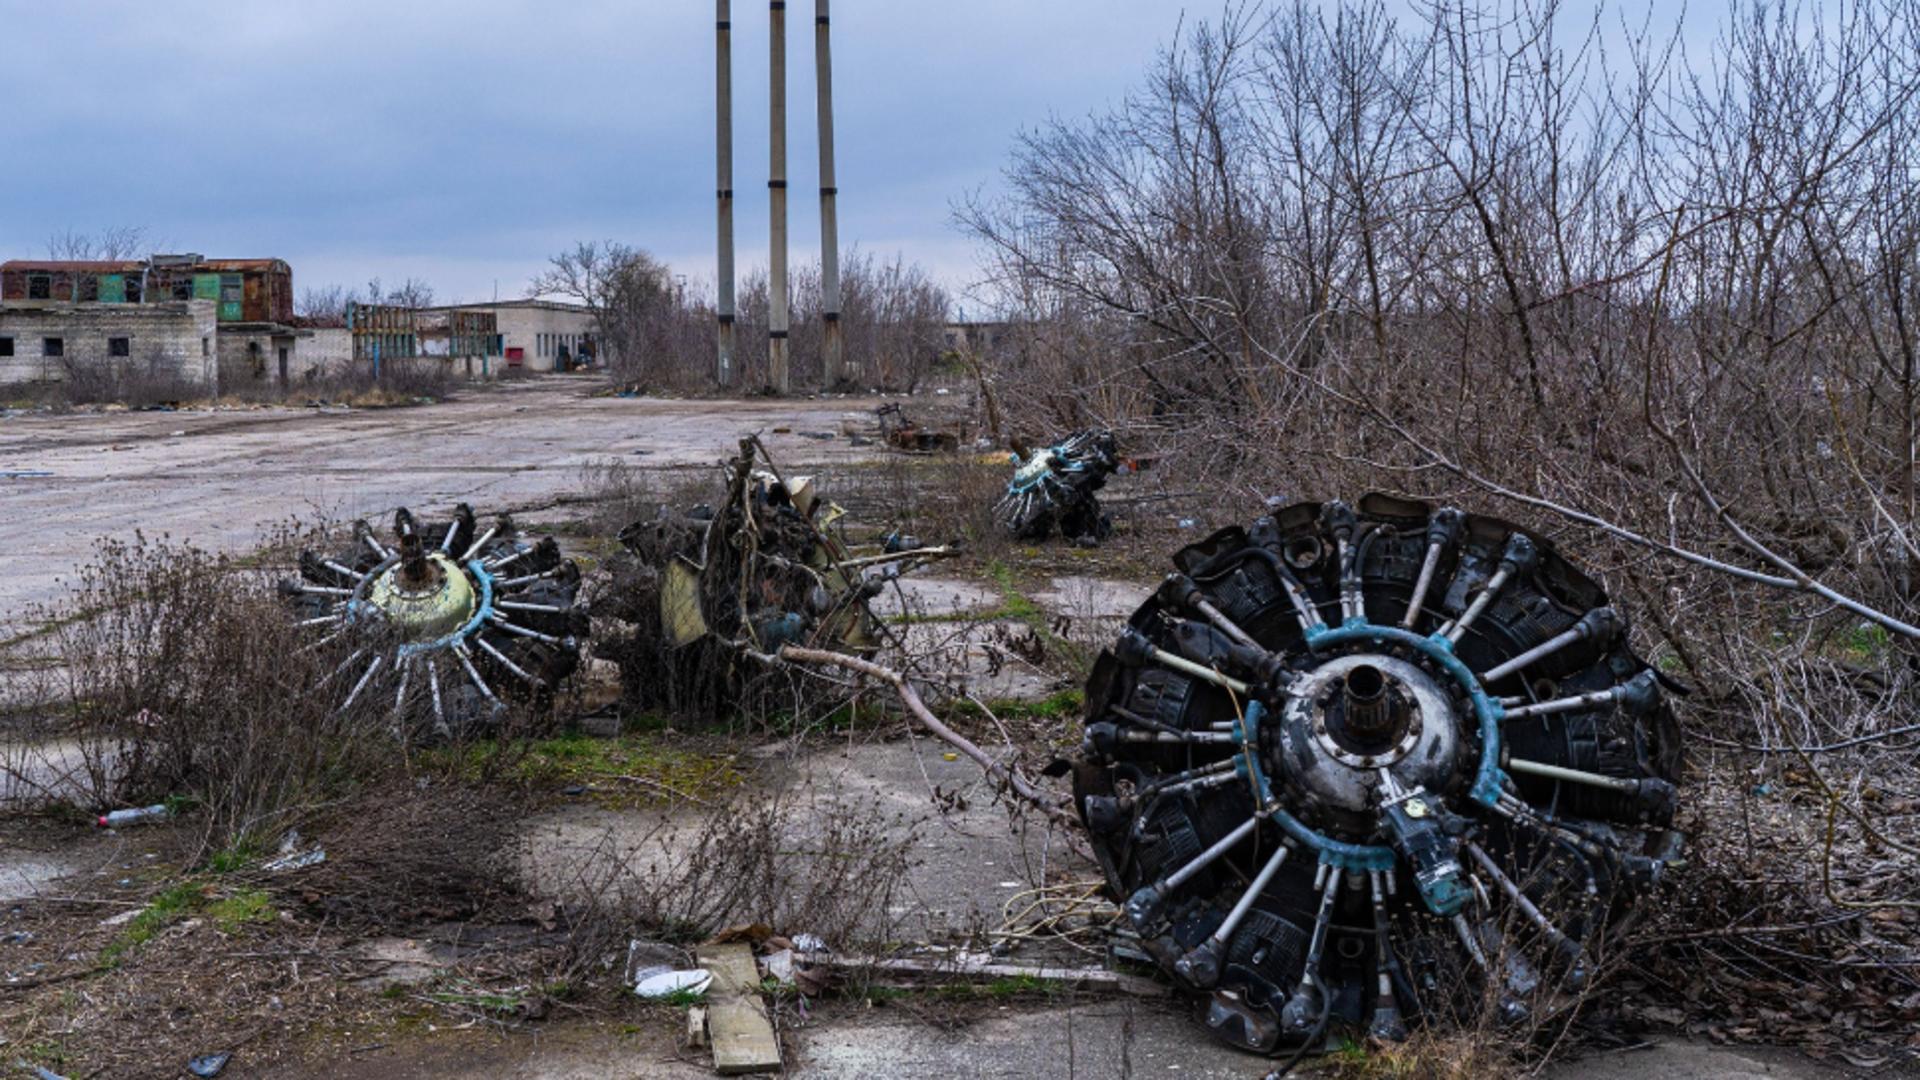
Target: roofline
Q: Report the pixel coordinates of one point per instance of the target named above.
(551, 305)
(142, 264)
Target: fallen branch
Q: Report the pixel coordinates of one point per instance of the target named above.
(1054, 805)
(963, 967)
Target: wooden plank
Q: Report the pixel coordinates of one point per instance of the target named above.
(737, 1023)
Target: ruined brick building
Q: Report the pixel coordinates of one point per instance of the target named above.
(212, 323)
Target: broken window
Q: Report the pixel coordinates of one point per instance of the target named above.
(183, 288)
(39, 286)
(6, 346)
(232, 293)
(53, 346)
(119, 346)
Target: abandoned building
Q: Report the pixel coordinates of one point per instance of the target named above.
(540, 335)
(166, 341)
(149, 307)
(465, 340)
(978, 338)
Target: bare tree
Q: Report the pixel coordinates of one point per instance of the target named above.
(411, 293)
(111, 244)
(325, 304)
(636, 303)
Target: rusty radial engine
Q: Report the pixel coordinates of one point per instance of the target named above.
(706, 591)
(450, 621)
(1347, 763)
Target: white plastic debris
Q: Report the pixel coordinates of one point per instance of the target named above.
(296, 861)
(122, 818)
(779, 966)
(668, 983)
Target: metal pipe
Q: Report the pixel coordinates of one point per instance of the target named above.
(519, 605)
(344, 665)
(1252, 893)
(833, 361)
(1179, 590)
(439, 714)
(1304, 1009)
(466, 661)
(1472, 943)
(1387, 1022)
(779, 375)
(723, 138)
(508, 664)
(1556, 772)
(500, 564)
(1201, 965)
(1144, 904)
(365, 532)
(1176, 737)
(511, 627)
(1443, 531)
(1421, 585)
(514, 583)
(400, 695)
(342, 570)
(1175, 781)
(362, 684)
(1198, 671)
(1598, 623)
(1518, 558)
(1636, 694)
(1567, 946)
(474, 548)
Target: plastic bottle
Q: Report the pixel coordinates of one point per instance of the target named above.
(121, 818)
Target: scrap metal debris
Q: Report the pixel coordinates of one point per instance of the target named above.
(900, 432)
(1348, 762)
(1056, 488)
(713, 592)
(452, 621)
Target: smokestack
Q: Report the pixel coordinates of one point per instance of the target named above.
(723, 96)
(778, 377)
(832, 355)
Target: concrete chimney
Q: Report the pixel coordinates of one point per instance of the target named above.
(833, 358)
(723, 97)
(779, 376)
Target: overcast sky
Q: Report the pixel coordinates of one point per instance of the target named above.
(465, 142)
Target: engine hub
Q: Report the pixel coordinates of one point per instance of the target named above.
(426, 602)
(1355, 715)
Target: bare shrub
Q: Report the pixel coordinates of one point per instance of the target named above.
(140, 384)
(398, 382)
(834, 871)
(170, 674)
(417, 849)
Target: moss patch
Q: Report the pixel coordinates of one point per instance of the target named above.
(646, 766)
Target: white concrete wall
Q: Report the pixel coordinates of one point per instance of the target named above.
(328, 352)
(524, 328)
(172, 338)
